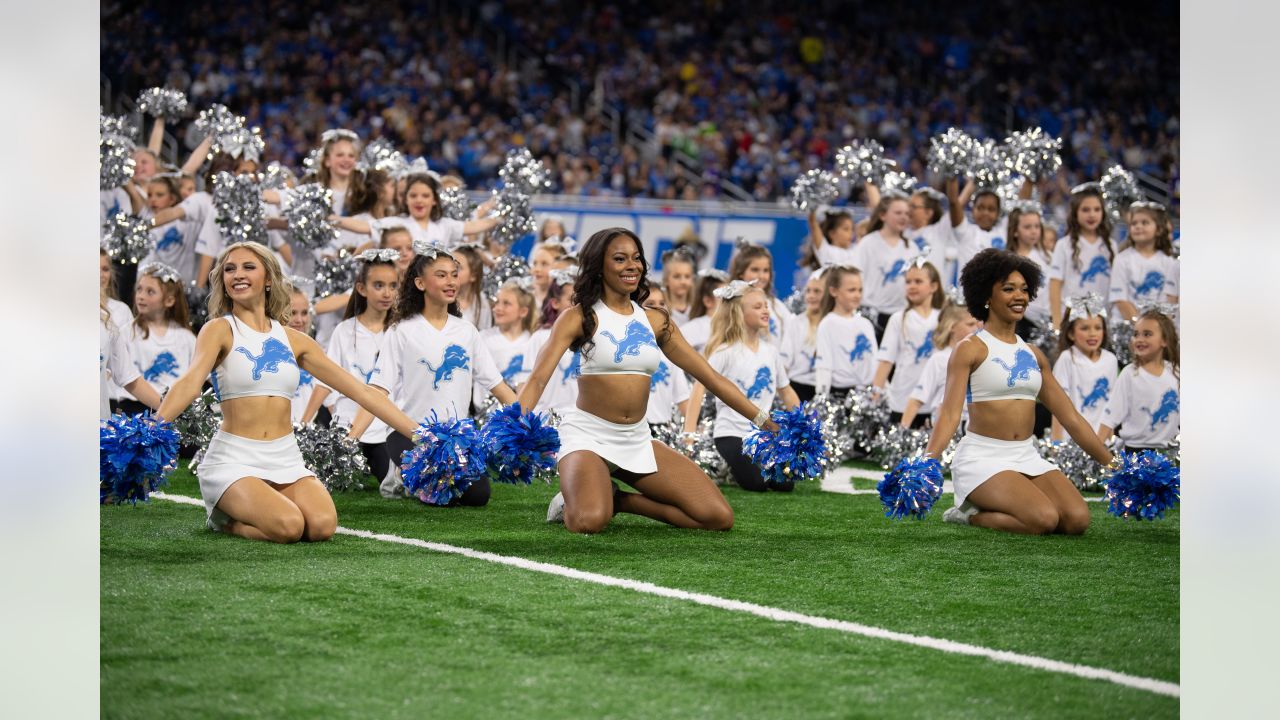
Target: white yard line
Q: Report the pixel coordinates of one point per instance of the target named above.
(1159, 687)
(840, 480)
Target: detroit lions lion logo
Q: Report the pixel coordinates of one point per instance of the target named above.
(763, 382)
(635, 337)
(1152, 283)
(170, 238)
(920, 243)
(1101, 390)
(269, 360)
(894, 270)
(513, 368)
(925, 349)
(1024, 363)
(1168, 406)
(861, 347)
(661, 376)
(997, 243)
(164, 364)
(455, 358)
(574, 371)
(304, 380)
(366, 374)
(1097, 266)
(114, 209)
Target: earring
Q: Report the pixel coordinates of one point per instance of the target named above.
(268, 288)
(986, 306)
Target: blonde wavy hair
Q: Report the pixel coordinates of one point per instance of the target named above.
(729, 325)
(277, 287)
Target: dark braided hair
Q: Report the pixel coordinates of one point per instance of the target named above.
(589, 286)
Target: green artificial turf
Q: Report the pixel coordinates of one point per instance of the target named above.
(196, 624)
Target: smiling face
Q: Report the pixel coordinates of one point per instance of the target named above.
(186, 186)
(540, 267)
(439, 281)
(813, 294)
(1086, 334)
(623, 265)
(1149, 341)
(299, 312)
(842, 234)
(402, 242)
(896, 216)
(760, 270)
(244, 277)
(159, 197)
(917, 211)
(755, 311)
(1029, 230)
(464, 271)
(919, 285)
(507, 310)
(340, 158)
(380, 287)
(1142, 228)
(144, 165)
(149, 298)
(1009, 298)
(679, 278)
(656, 299)
(986, 210)
(420, 199)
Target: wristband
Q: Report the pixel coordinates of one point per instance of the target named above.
(760, 417)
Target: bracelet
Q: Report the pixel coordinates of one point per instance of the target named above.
(760, 417)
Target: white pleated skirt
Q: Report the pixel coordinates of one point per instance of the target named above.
(629, 447)
(979, 458)
(231, 457)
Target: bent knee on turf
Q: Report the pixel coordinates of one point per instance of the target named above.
(1074, 522)
(284, 528)
(586, 520)
(1041, 520)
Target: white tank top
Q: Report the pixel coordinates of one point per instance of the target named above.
(624, 344)
(1010, 372)
(259, 364)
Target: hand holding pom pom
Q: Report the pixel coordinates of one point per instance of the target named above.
(136, 453)
(1145, 485)
(308, 214)
(911, 488)
(447, 457)
(797, 451)
(814, 189)
(518, 446)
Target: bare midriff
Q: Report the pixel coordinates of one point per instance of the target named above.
(621, 399)
(257, 418)
(1003, 419)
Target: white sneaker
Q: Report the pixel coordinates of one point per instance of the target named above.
(960, 515)
(555, 511)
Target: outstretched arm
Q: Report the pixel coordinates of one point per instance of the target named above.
(568, 326)
(815, 231)
(312, 359)
(1065, 412)
(198, 156)
(966, 355)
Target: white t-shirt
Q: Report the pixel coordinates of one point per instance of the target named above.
(779, 317)
(1092, 273)
(445, 232)
(115, 364)
(177, 243)
(932, 383)
(479, 314)
(883, 269)
(1038, 309)
(356, 349)
(697, 332)
(513, 358)
(427, 370)
(908, 344)
(828, 254)
(759, 374)
(113, 201)
(301, 395)
(799, 355)
(971, 239)
(162, 359)
(1086, 382)
(1139, 279)
(939, 240)
(667, 387)
(561, 392)
(1144, 407)
(679, 317)
(121, 316)
(847, 349)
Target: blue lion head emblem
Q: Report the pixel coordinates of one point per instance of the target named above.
(894, 270)
(513, 368)
(997, 243)
(1024, 363)
(762, 384)
(304, 380)
(925, 349)
(164, 364)
(274, 353)
(1168, 406)
(1097, 266)
(366, 374)
(455, 358)
(574, 369)
(661, 376)
(1152, 283)
(169, 239)
(1101, 390)
(861, 347)
(920, 243)
(635, 337)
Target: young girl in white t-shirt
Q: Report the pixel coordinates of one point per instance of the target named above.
(1082, 260)
(1085, 368)
(1026, 238)
(832, 238)
(561, 392)
(882, 256)
(117, 369)
(189, 225)
(984, 231)
(1146, 270)
(472, 304)
(908, 336)
(432, 358)
(1144, 406)
(677, 283)
(301, 317)
(698, 329)
(739, 350)
(160, 340)
(118, 313)
(931, 228)
(845, 341)
(954, 324)
(754, 263)
(510, 340)
(801, 351)
(668, 387)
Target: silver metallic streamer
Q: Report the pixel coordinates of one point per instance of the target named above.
(898, 182)
(1119, 190)
(334, 458)
(951, 153)
(126, 238)
(307, 212)
(517, 217)
(990, 166)
(1035, 153)
(162, 102)
(456, 204)
(334, 275)
(115, 163)
(814, 189)
(216, 120)
(237, 199)
(380, 154)
(524, 173)
(508, 267)
(863, 162)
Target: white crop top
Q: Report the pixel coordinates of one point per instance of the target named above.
(1010, 372)
(624, 344)
(259, 364)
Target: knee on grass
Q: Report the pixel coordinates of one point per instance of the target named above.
(321, 528)
(1042, 519)
(586, 520)
(716, 517)
(1074, 522)
(285, 528)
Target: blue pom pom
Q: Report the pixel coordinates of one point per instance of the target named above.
(135, 453)
(796, 452)
(1144, 487)
(446, 458)
(911, 488)
(518, 446)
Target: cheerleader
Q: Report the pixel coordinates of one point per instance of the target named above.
(985, 230)
(1001, 482)
(668, 390)
(301, 317)
(677, 283)
(252, 477)
(160, 340)
(1026, 238)
(1085, 368)
(425, 220)
(621, 345)
(882, 255)
(740, 351)
(541, 259)
(954, 324)
(832, 238)
(1082, 264)
(356, 344)
(1144, 406)
(846, 341)
(908, 337)
(510, 340)
(472, 303)
(400, 240)
(561, 392)
(1146, 270)
(932, 221)
(116, 367)
(181, 228)
(754, 263)
(801, 353)
(698, 329)
(431, 357)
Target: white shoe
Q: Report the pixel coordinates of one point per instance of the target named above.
(960, 515)
(555, 511)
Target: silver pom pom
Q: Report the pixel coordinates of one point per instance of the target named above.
(508, 267)
(117, 128)
(334, 458)
(380, 154)
(1044, 336)
(898, 182)
(1035, 153)
(951, 153)
(795, 302)
(990, 166)
(866, 411)
(126, 238)
(517, 217)
(237, 200)
(894, 442)
(814, 189)
(334, 276)
(1008, 191)
(524, 173)
(1079, 467)
(311, 163)
(242, 143)
(197, 305)
(277, 177)
(162, 102)
(308, 212)
(216, 120)
(115, 163)
(455, 204)
(863, 162)
(1119, 190)
(200, 421)
(1121, 333)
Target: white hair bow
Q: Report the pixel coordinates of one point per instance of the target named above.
(736, 288)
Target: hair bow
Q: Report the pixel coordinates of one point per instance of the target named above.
(161, 272)
(736, 288)
(1086, 187)
(419, 167)
(335, 134)
(430, 249)
(1148, 205)
(934, 193)
(740, 243)
(718, 274)
(566, 243)
(383, 255)
(919, 261)
(1087, 305)
(565, 276)
(522, 282)
(1164, 308)
(1030, 207)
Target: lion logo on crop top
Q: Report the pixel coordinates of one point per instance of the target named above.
(455, 358)
(1024, 363)
(273, 354)
(636, 337)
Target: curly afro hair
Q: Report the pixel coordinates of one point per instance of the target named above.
(990, 267)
